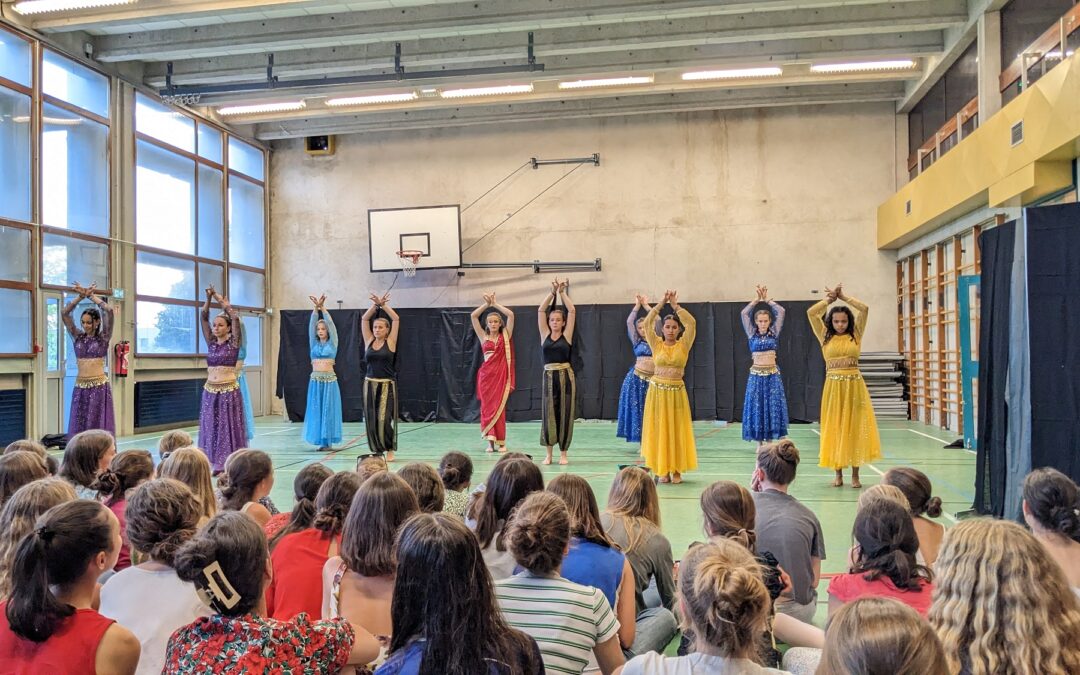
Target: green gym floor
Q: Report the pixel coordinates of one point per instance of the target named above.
(596, 454)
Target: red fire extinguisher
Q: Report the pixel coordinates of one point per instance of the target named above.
(120, 358)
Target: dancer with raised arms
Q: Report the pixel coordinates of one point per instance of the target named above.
(322, 417)
(380, 381)
(765, 411)
(495, 378)
(222, 429)
(91, 400)
(556, 324)
(635, 385)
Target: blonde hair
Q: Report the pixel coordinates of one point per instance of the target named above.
(633, 499)
(369, 466)
(724, 599)
(1001, 605)
(19, 515)
(191, 467)
(880, 635)
(172, 441)
(888, 493)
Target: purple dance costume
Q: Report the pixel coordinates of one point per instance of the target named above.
(91, 399)
(222, 428)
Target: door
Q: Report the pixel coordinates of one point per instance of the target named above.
(969, 354)
(55, 346)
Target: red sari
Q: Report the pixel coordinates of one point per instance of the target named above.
(494, 382)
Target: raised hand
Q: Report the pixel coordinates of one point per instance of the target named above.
(375, 299)
(830, 294)
(81, 290)
(839, 291)
(384, 299)
(673, 299)
(555, 286)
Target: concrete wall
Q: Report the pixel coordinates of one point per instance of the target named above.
(709, 203)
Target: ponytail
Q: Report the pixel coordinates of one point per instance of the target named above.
(305, 488)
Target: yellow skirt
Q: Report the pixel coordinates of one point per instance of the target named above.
(667, 433)
(849, 433)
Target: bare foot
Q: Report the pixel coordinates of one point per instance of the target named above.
(547, 460)
(563, 459)
(489, 449)
(390, 456)
(839, 480)
(502, 449)
(676, 478)
(666, 478)
(855, 483)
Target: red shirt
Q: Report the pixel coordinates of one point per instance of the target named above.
(848, 587)
(119, 508)
(298, 560)
(71, 650)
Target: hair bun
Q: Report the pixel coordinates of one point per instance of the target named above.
(191, 558)
(1066, 521)
(933, 507)
(107, 482)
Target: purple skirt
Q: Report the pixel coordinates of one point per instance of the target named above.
(221, 426)
(91, 408)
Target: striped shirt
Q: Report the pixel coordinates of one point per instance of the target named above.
(566, 619)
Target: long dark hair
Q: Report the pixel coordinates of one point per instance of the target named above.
(443, 594)
(830, 332)
(126, 470)
(455, 469)
(333, 501)
(305, 488)
(95, 316)
(56, 552)
(244, 470)
(580, 501)
(509, 482)
(238, 545)
(426, 483)
(1054, 501)
(887, 545)
(381, 505)
(18, 469)
(83, 454)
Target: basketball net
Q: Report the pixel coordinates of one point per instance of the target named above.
(408, 261)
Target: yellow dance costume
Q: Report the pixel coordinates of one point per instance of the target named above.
(849, 433)
(667, 433)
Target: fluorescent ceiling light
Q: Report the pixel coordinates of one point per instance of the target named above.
(734, 73)
(373, 99)
(488, 91)
(607, 82)
(42, 6)
(262, 108)
(902, 64)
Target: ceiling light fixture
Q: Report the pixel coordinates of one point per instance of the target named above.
(866, 66)
(607, 82)
(42, 6)
(374, 99)
(488, 91)
(733, 73)
(262, 108)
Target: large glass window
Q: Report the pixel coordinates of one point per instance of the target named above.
(16, 310)
(246, 223)
(74, 83)
(15, 197)
(253, 339)
(14, 58)
(211, 214)
(163, 276)
(246, 159)
(15, 260)
(164, 199)
(67, 259)
(209, 143)
(245, 288)
(162, 328)
(75, 172)
(163, 123)
(211, 275)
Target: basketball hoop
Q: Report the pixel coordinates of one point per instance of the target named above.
(409, 259)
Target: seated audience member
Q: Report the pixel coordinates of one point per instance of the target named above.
(49, 623)
(305, 487)
(18, 469)
(229, 564)
(27, 445)
(880, 636)
(917, 489)
(366, 467)
(126, 471)
(171, 441)
(298, 557)
(358, 584)
(1052, 511)
(191, 467)
(19, 514)
(427, 485)
(161, 517)
(594, 560)
(248, 478)
(569, 621)
(510, 481)
(1001, 605)
(725, 605)
(87, 454)
(445, 618)
(455, 469)
(632, 520)
(884, 560)
(788, 529)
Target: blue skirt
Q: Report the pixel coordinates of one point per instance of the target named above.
(322, 419)
(765, 411)
(632, 407)
(245, 396)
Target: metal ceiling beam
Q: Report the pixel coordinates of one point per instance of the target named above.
(590, 29)
(614, 106)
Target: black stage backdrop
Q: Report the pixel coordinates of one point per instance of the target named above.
(995, 290)
(438, 356)
(1054, 306)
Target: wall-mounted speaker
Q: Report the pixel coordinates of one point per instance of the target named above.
(319, 145)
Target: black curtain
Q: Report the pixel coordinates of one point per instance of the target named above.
(438, 356)
(995, 286)
(1054, 305)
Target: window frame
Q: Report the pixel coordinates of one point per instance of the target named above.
(23, 286)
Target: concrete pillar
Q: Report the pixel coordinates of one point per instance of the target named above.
(989, 54)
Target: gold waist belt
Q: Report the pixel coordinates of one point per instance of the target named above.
(842, 363)
(322, 376)
(667, 387)
(844, 378)
(378, 380)
(556, 366)
(221, 387)
(642, 374)
(91, 381)
(764, 370)
(669, 372)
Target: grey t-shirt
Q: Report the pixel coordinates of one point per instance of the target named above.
(792, 533)
(650, 557)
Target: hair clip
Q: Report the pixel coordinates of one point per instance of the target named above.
(44, 533)
(219, 589)
(1076, 512)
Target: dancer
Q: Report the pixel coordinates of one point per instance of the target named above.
(495, 378)
(635, 386)
(380, 381)
(322, 418)
(221, 417)
(91, 400)
(849, 433)
(560, 392)
(765, 412)
(241, 381)
(667, 434)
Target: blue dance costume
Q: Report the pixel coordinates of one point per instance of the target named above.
(765, 411)
(241, 381)
(635, 386)
(322, 419)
